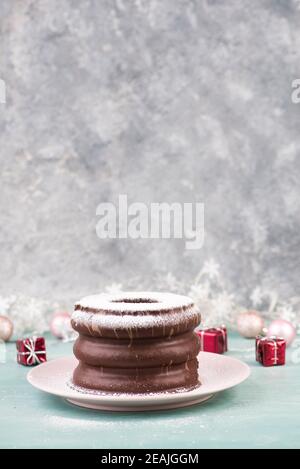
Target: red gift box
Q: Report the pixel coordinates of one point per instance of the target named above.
(31, 351)
(270, 351)
(213, 339)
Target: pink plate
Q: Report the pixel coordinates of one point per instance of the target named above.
(217, 373)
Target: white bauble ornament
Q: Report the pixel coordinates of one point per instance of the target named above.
(250, 324)
(282, 328)
(6, 328)
(60, 324)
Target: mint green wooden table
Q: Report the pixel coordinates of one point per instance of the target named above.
(262, 412)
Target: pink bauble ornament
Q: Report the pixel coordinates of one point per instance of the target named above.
(282, 328)
(250, 324)
(6, 328)
(60, 324)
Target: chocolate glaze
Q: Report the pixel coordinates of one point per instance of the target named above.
(137, 333)
(124, 353)
(137, 380)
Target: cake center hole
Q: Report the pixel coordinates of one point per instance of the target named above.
(135, 300)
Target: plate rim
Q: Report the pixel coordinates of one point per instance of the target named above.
(135, 399)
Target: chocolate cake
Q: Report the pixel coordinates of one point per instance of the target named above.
(136, 342)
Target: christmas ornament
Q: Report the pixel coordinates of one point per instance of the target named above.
(270, 351)
(31, 351)
(282, 328)
(249, 324)
(6, 328)
(213, 339)
(60, 324)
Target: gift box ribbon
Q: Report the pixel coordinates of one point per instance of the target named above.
(202, 334)
(274, 342)
(32, 354)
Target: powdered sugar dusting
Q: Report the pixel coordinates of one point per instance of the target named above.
(131, 302)
(129, 321)
(96, 392)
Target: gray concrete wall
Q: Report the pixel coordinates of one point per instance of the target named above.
(164, 101)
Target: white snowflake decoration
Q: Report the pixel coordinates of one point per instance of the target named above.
(256, 297)
(272, 307)
(171, 282)
(114, 288)
(29, 315)
(286, 312)
(200, 292)
(211, 269)
(216, 305)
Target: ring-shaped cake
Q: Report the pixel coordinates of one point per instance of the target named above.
(136, 342)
